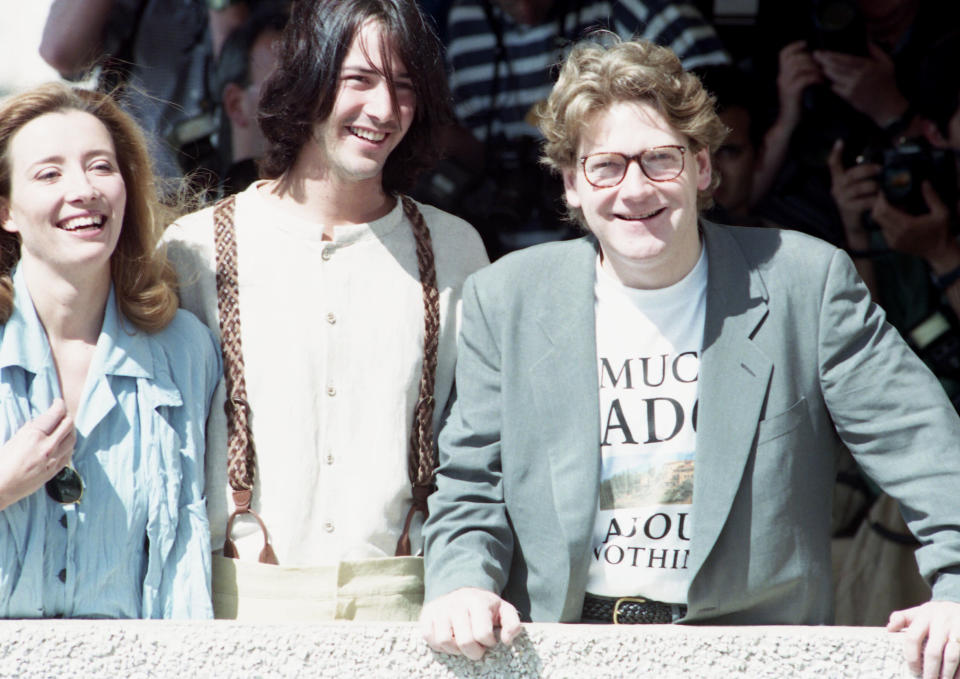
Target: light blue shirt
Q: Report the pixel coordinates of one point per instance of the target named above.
(138, 543)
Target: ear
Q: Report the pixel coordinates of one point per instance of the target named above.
(704, 170)
(570, 187)
(233, 105)
(5, 220)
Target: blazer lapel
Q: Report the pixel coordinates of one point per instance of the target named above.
(734, 376)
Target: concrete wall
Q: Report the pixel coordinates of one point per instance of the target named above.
(72, 649)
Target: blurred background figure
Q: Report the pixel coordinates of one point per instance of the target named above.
(836, 69)
(162, 53)
(247, 58)
(899, 212)
(736, 160)
(159, 50)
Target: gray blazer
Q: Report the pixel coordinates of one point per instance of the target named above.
(797, 362)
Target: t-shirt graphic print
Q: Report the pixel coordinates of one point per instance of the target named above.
(648, 355)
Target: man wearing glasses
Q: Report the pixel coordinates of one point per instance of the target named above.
(648, 419)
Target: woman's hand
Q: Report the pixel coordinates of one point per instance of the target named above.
(33, 456)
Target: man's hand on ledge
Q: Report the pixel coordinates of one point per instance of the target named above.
(931, 640)
(463, 621)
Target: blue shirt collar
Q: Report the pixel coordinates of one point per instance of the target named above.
(121, 348)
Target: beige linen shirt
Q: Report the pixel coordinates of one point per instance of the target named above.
(332, 336)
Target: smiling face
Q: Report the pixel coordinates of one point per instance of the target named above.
(365, 125)
(647, 230)
(67, 196)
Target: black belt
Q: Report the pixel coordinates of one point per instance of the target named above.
(628, 610)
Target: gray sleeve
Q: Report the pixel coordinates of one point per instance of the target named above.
(468, 540)
(895, 418)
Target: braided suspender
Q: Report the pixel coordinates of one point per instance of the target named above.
(421, 461)
(241, 456)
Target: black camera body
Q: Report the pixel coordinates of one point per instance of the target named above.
(838, 26)
(904, 169)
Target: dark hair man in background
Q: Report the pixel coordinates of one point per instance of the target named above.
(248, 57)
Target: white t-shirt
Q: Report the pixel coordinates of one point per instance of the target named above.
(332, 334)
(648, 354)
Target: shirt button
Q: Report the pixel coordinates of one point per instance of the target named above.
(63, 520)
(329, 459)
(328, 526)
(326, 254)
(331, 391)
(331, 318)
(62, 575)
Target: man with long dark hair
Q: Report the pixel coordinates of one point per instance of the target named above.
(344, 331)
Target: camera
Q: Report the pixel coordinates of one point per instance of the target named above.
(904, 169)
(838, 26)
(835, 26)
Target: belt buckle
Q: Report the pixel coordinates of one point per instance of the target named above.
(626, 599)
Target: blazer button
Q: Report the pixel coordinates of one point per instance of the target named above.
(62, 575)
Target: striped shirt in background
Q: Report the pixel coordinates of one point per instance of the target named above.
(525, 74)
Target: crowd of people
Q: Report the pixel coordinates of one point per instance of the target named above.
(725, 269)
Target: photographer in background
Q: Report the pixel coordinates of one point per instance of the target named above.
(900, 219)
(502, 57)
(846, 69)
(160, 51)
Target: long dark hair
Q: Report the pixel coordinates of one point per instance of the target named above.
(302, 90)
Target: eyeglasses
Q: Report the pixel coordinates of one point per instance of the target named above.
(66, 487)
(659, 164)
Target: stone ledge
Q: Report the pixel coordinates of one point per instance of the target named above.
(75, 649)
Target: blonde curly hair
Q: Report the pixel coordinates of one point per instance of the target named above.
(594, 76)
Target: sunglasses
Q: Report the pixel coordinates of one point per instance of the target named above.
(66, 487)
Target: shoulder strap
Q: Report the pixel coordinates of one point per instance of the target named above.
(241, 456)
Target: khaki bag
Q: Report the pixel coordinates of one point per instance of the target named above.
(387, 589)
